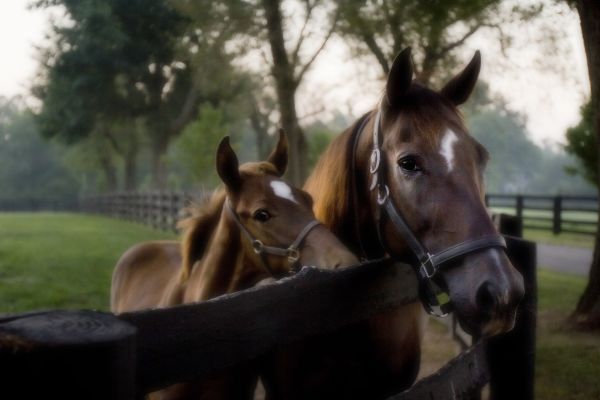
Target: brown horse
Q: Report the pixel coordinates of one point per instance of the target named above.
(256, 229)
(405, 181)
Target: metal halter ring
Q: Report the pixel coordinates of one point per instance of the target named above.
(383, 192)
(375, 160)
(258, 246)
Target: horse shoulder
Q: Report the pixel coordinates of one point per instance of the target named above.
(143, 273)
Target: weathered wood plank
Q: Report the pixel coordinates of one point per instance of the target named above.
(459, 379)
(187, 341)
(67, 355)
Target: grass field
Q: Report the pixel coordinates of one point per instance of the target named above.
(66, 260)
(53, 260)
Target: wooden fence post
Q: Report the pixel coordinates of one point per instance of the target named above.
(511, 356)
(556, 211)
(520, 208)
(67, 355)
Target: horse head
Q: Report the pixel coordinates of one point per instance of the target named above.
(276, 221)
(428, 170)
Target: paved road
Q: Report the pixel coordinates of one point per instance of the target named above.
(564, 259)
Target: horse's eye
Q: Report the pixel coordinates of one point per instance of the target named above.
(409, 164)
(261, 215)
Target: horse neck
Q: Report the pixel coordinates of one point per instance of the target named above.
(214, 274)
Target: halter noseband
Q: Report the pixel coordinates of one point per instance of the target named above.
(428, 264)
(292, 252)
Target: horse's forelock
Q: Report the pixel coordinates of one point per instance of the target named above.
(258, 168)
(428, 114)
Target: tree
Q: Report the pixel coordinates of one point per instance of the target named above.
(289, 65)
(587, 312)
(433, 29)
(582, 143)
(30, 168)
(114, 63)
(195, 148)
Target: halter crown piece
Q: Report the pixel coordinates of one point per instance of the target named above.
(428, 264)
(292, 252)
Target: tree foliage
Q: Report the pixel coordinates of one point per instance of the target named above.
(435, 30)
(30, 167)
(583, 144)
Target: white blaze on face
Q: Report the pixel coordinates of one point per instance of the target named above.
(447, 148)
(282, 190)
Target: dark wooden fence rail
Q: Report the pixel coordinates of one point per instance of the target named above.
(159, 209)
(81, 354)
(571, 214)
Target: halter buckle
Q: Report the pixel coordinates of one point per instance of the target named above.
(258, 246)
(293, 254)
(427, 269)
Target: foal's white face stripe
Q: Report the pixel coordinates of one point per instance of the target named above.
(282, 190)
(447, 147)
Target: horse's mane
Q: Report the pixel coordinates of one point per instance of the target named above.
(198, 228)
(204, 217)
(330, 184)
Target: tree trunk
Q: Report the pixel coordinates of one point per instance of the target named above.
(131, 170)
(110, 172)
(587, 313)
(158, 171)
(286, 85)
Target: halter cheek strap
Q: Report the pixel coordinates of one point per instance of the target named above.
(428, 264)
(292, 252)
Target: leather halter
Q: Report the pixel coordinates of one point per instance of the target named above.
(428, 264)
(292, 252)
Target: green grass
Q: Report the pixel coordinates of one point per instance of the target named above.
(567, 362)
(60, 260)
(563, 239)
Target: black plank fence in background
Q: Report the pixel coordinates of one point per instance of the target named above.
(159, 209)
(571, 214)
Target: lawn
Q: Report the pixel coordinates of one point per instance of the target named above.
(54, 260)
(568, 362)
(50, 260)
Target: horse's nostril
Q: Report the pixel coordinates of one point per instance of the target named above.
(487, 301)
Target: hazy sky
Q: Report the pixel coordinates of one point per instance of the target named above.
(549, 97)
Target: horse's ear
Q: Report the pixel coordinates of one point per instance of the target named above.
(279, 155)
(400, 77)
(227, 165)
(460, 87)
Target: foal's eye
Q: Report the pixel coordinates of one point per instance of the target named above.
(261, 215)
(409, 164)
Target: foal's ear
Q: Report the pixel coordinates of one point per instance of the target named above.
(279, 155)
(460, 87)
(227, 165)
(399, 78)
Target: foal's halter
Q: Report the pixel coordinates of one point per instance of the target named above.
(428, 264)
(292, 252)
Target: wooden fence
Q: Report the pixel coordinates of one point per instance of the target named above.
(571, 214)
(83, 354)
(160, 210)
